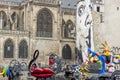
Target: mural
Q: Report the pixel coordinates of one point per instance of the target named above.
(115, 50)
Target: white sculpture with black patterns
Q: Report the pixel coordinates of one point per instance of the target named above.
(84, 22)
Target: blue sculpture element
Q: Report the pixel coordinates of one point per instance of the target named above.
(101, 58)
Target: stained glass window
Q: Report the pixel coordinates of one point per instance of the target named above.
(23, 49)
(3, 18)
(66, 52)
(8, 49)
(44, 23)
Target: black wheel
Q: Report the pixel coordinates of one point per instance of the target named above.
(115, 75)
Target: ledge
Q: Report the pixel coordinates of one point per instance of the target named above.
(14, 32)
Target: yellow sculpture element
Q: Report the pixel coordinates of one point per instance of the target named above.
(3, 71)
(87, 75)
(117, 56)
(105, 49)
(95, 59)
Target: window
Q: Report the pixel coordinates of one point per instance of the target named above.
(23, 49)
(3, 18)
(98, 9)
(117, 8)
(8, 49)
(44, 23)
(66, 52)
(69, 30)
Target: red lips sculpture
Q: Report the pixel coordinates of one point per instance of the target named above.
(39, 72)
(42, 72)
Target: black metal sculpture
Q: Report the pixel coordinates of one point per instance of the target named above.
(115, 75)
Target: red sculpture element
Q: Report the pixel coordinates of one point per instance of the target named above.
(42, 72)
(39, 72)
(51, 60)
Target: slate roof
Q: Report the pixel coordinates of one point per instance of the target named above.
(13, 0)
(64, 3)
(69, 3)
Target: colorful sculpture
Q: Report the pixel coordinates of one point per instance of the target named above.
(13, 69)
(101, 58)
(106, 58)
(78, 70)
(5, 72)
(39, 72)
(116, 59)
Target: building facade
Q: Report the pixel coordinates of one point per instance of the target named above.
(44, 25)
(106, 24)
(49, 26)
(28, 25)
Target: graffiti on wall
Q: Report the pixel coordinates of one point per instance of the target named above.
(88, 39)
(115, 50)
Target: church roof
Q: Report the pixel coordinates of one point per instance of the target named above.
(12, 0)
(69, 3)
(64, 3)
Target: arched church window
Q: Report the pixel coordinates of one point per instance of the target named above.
(69, 30)
(3, 19)
(44, 23)
(66, 52)
(15, 20)
(23, 49)
(8, 49)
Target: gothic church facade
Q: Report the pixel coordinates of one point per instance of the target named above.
(28, 25)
